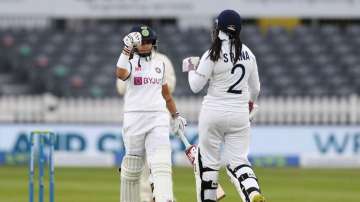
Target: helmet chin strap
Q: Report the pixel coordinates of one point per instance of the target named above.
(147, 56)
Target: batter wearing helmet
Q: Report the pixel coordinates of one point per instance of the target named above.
(146, 124)
(146, 194)
(224, 118)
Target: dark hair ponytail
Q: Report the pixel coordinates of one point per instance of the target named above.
(235, 41)
(215, 49)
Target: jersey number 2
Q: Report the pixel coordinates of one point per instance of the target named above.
(231, 89)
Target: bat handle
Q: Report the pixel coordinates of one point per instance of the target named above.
(184, 139)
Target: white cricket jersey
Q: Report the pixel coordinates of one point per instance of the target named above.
(144, 85)
(231, 86)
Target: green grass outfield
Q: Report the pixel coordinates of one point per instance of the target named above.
(278, 184)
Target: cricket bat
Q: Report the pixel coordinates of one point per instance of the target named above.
(190, 151)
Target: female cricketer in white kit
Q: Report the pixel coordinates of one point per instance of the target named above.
(146, 194)
(146, 120)
(224, 118)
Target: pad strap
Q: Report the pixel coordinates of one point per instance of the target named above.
(242, 178)
(205, 184)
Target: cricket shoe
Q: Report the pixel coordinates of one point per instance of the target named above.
(258, 198)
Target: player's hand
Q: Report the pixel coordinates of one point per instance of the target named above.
(251, 106)
(253, 109)
(178, 123)
(190, 63)
(132, 40)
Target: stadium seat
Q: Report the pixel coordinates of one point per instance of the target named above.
(309, 60)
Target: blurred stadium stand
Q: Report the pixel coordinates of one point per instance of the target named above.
(308, 60)
(309, 74)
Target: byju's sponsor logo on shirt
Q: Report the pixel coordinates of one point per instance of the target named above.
(146, 80)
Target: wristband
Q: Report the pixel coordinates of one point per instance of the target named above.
(127, 50)
(123, 60)
(176, 114)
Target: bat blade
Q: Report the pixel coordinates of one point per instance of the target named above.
(191, 152)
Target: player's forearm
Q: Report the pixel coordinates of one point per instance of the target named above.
(197, 81)
(254, 93)
(171, 106)
(121, 73)
(254, 86)
(170, 103)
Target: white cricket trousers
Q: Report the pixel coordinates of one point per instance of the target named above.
(231, 129)
(145, 132)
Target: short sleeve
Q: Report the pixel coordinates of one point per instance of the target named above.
(164, 79)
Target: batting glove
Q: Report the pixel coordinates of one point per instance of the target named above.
(132, 40)
(251, 106)
(253, 109)
(190, 63)
(178, 123)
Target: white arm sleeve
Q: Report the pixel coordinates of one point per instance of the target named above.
(199, 78)
(124, 63)
(254, 83)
